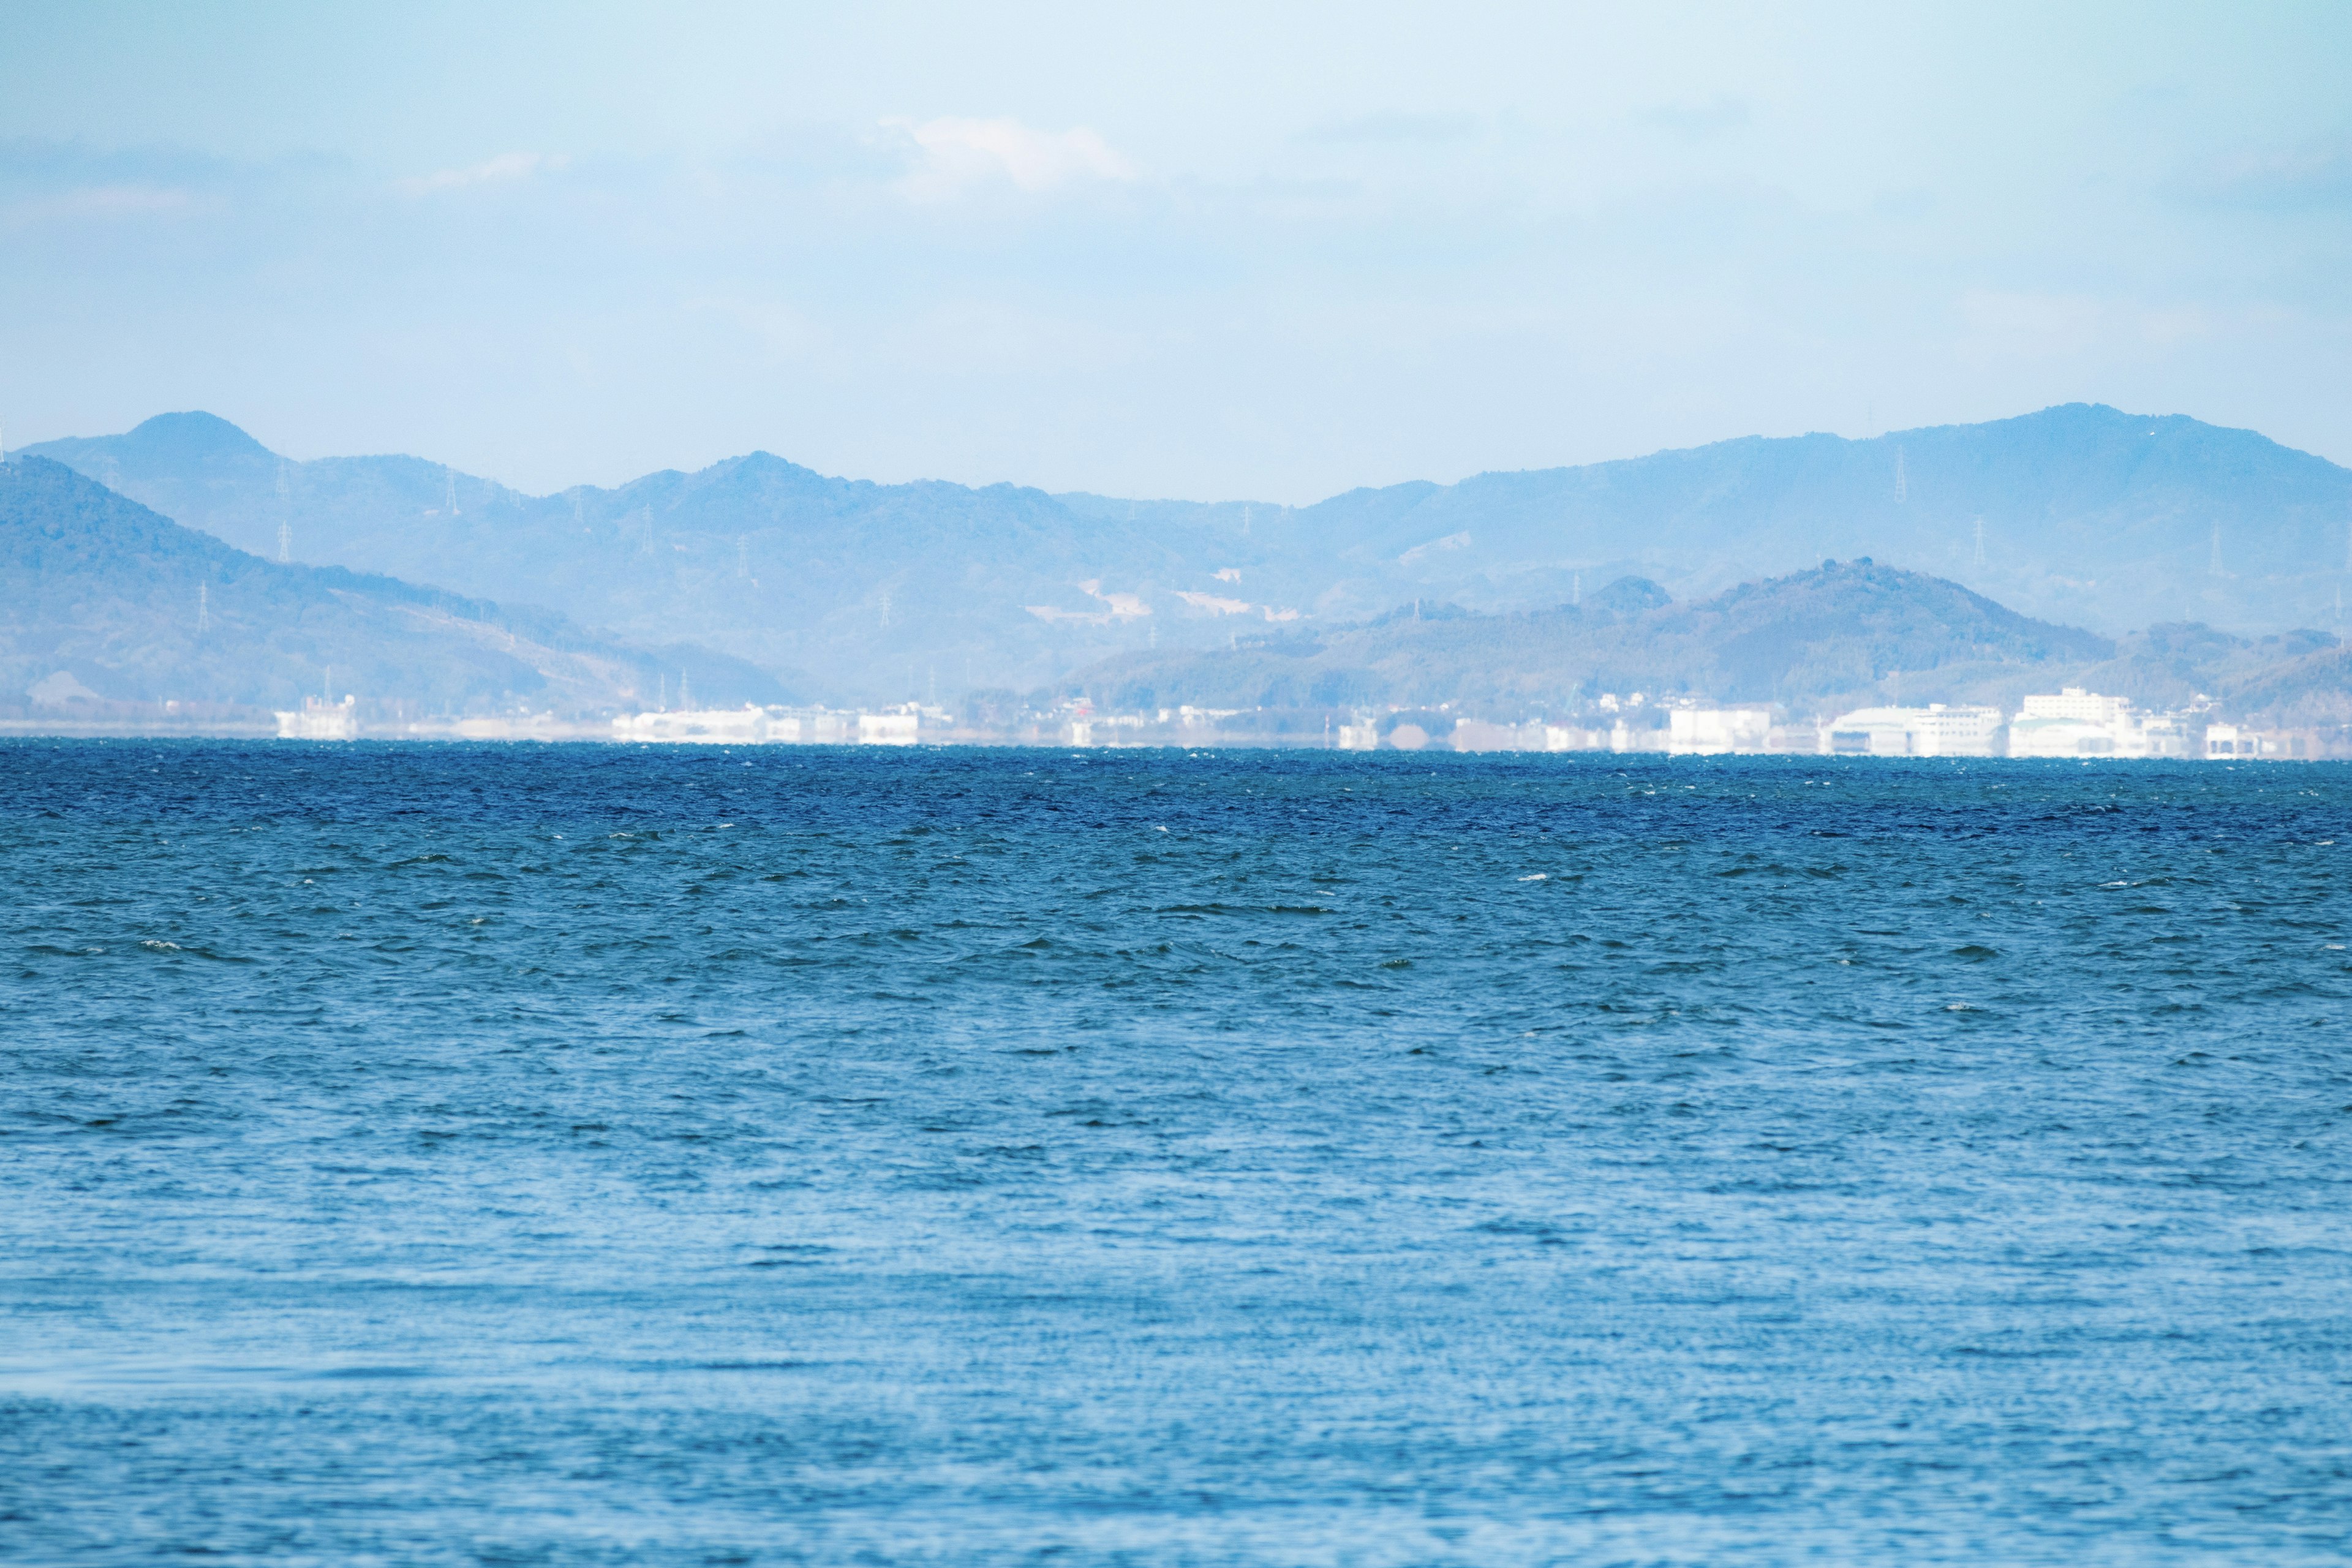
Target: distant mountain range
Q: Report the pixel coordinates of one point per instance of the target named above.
(1840, 636)
(862, 592)
(108, 610)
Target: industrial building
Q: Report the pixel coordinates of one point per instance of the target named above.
(1935, 730)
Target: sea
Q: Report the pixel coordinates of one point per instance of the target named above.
(585, 1154)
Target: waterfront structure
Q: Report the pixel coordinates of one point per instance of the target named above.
(811, 727)
(2079, 723)
(1713, 731)
(319, 719)
(751, 726)
(1957, 730)
(894, 727)
(1869, 732)
(2170, 735)
(2226, 743)
(1936, 731)
(745, 726)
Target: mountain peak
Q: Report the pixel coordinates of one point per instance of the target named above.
(192, 435)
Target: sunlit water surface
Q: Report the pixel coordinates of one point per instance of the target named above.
(583, 1154)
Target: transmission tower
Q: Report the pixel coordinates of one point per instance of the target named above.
(285, 515)
(450, 476)
(1902, 481)
(1979, 541)
(2215, 566)
(203, 608)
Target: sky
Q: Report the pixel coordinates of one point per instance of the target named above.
(1203, 251)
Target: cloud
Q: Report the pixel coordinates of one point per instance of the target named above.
(107, 202)
(958, 155)
(503, 169)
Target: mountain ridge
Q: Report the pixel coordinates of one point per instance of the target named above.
(2083, 513)
(1834, 635)
(105, 602)
(1842, 636)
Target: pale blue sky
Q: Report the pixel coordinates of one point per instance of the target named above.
(1209, 252)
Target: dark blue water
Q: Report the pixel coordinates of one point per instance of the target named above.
(590, 1155)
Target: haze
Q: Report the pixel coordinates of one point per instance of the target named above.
(1206, 253)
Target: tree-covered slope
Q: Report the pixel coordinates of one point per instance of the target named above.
(1834, 635)
(2088, 515)
(2081, 514)
(101, 600)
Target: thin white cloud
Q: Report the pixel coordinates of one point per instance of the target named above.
(104, 201)
(504, 169)
(958, 155)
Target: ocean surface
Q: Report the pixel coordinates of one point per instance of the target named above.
(578, 1154)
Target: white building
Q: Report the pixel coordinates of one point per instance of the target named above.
(2079, 723)
(1935, 730)
(816, 727)
(2226, 740)
(318, 720)
(1869, 732)
(893, 727)
(744, 726)
(1957, 732)
(1574, 737)
(1712, 731)
(509, 727)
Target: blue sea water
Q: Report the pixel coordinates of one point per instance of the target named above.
(585, 1155)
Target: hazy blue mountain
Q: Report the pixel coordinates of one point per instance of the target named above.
(875, 590)
(2088, 515)
(1840, 635)
(2289, 678)
(102, 601)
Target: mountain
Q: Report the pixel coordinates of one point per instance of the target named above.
(2088, 515)
(2083, 514)
(2291, 680)
(875, 590)
(1840, 635)
(107, 606)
